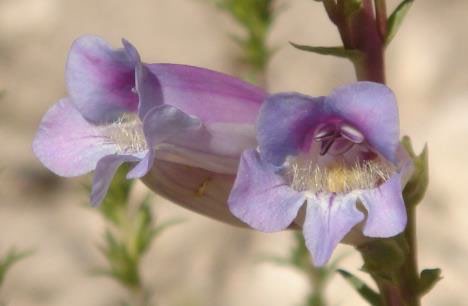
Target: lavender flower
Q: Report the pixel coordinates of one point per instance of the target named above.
(339, 154)
(121, 110)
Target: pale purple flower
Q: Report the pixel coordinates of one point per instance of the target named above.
(121, 110)
(339, 155)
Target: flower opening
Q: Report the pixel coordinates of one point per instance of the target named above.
(127, 133)
(121, 110)
(338, 177)
(329, 154)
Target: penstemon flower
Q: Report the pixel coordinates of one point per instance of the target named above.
(121, 110)
(339, 154)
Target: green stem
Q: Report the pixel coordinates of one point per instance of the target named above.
(317, 277)
(317, 283)
(409, 271)
(403, 290)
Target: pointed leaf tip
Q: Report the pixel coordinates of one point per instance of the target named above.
(396, 18)
(429, 278)
(366, 292)
(10, 259)
(334, 51)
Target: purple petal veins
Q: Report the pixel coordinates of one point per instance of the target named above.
(262, 198)
(69, 145)
(100, 79)
(328, 219)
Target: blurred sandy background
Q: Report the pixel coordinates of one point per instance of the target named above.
(203, 262)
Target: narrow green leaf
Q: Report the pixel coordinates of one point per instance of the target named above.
(396, 18)
(10, 259)
(143, 231)
(334, 51)
(428, 279)
(417, 185)
(366, 292)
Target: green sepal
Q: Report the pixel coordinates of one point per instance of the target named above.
(10, 259)
(384, 257)
(334, 51)
(366, 292)
(428, 279)
(416, 187)
(396, 18)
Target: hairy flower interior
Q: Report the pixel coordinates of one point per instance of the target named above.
(127, 134)
(338, 178)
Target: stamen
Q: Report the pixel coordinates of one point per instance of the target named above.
(339, 178)
(325, 145)
(328, 134)
(324, 132)
(351, 133)
(127, 134)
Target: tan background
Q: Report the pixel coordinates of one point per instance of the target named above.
(203, 262)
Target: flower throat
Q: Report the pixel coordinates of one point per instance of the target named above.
(338, 178)
(127, 133)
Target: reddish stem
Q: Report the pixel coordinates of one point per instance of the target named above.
(359, 31)
(371, 66)
(381, 17)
